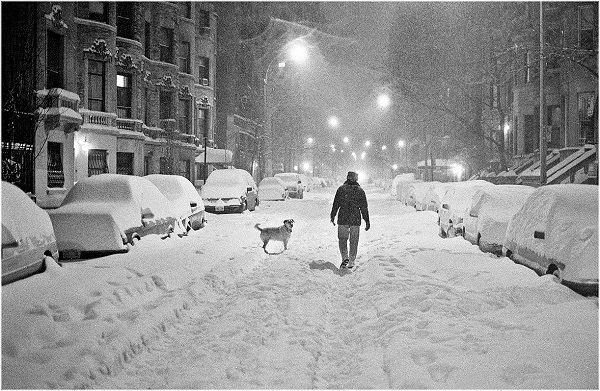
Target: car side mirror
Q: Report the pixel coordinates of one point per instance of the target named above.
(539, 235)
(249, 189)
(472, 215)
(445, 206)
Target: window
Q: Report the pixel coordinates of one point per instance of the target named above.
(588, 117)
(147, 165)
(97, 162)
(204, 71)
(56, 175)
(164, 166)
(184, 116)
(54, 61)
(98, 11)
(184, 168)
(203, 122)
(147, 39)
(147, 106)
(203, 19)
(96, 75)
(125, 19)
(586, 25)
(165, 43)
(123, 95)
(185, 9)
(184, 57)
(125, 163)
(165, 104)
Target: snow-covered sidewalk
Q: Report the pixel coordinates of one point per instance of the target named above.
(212, 310)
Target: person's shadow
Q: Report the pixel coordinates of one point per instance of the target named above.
(327, 266)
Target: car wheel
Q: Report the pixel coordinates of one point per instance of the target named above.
(196, 225)
(451, 232)
(442, 233)
(242, 207)
(135, 238)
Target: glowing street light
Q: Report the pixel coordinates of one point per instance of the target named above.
(367, 143)
(394, 167)
(362, 155)
(401, 143)
(298, 53)
(383, 147)
(310, 140)
(346, 140)
(334, 121)
(384, 101)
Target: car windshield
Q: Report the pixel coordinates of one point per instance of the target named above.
(225, 177)
(288, 178)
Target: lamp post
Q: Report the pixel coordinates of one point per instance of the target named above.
(298, 53)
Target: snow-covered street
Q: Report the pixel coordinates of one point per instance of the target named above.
(212, 310)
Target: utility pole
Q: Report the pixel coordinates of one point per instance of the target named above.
(542, 103)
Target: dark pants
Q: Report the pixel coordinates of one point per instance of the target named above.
(345, 233)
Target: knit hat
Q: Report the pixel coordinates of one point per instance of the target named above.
(352, 176)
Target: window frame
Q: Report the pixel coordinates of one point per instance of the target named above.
(55, 167)
(99, 156)
(125, 163)
(125, 19)
(128, 91)
(203, 69)
(184, 111)
(54, 77)
(102, 76)
(102, 17)
(164, 105)
(588, 29)
(165, 44)
(184, 56)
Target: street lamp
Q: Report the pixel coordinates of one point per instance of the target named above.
(346, 140)
(384, 101)
(367, 143)
(334, 121)
(298, 52)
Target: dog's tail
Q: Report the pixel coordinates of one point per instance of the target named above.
(257, 227)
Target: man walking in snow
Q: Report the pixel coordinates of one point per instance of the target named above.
(351, 201)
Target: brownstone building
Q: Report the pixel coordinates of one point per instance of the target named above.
(121, 87)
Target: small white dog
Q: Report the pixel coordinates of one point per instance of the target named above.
(281, 233)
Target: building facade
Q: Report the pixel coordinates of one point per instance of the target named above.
(121, 87)
(570, 81)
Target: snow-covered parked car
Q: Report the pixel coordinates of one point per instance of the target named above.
(433, 196)
(558, 227)
(488, 215)
(184, 198)
(229, 190)
(416, 194)
(405, 178)
(272, 189)
(306, 182)
(293, 183)
(454, 204)
(27, 235)
(104, 213)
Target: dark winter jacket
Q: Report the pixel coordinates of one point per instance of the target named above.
(351, 201)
